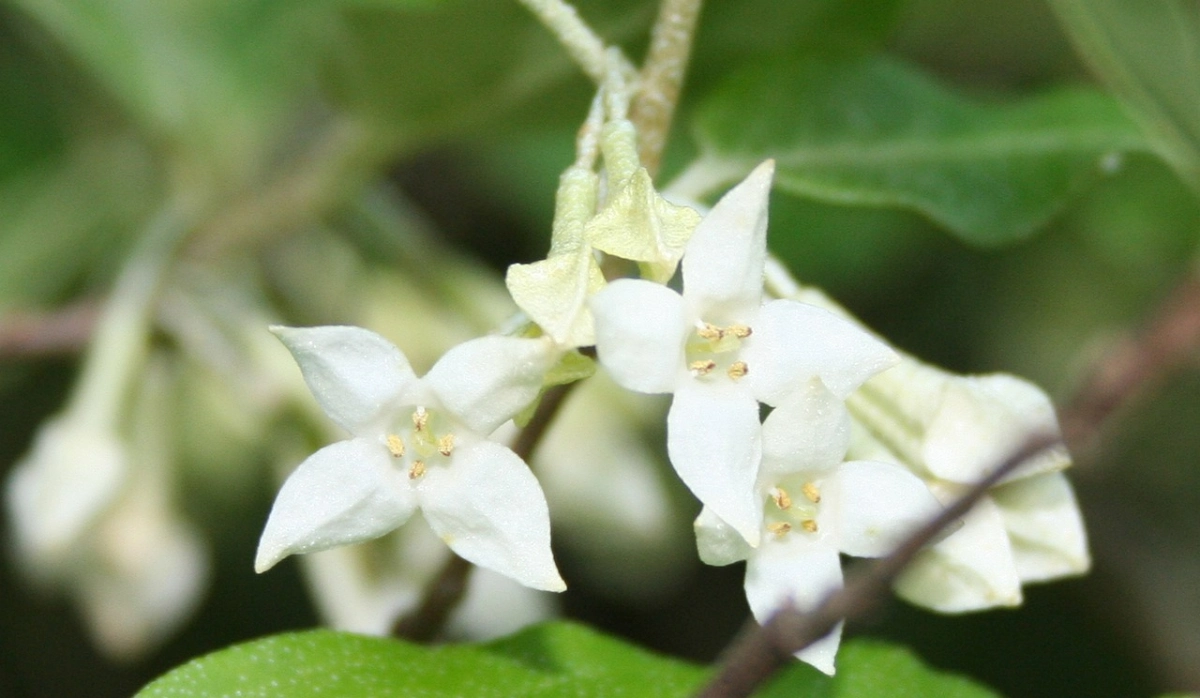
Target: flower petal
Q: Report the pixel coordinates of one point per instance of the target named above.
(981, 420)
(72, 475)
(800, 572)
(640, 333)
(717, 542)
(792, 342)
(1044, 526)
(486, 381)
(878, 506)
(723, 262)
(714, 441)
(353, 373)
(345, 493)
(489, 509)
(809, 431)
(970, 570)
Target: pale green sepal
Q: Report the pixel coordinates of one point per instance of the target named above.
(574, 206)
(641, 225)
(554, 294)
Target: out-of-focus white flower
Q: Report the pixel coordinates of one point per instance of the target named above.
(951, 431)
(92, 516)
(365, 588)
(720, 350)
(417, 443)
(817, 506)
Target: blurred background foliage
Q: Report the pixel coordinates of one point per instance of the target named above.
(949, 171)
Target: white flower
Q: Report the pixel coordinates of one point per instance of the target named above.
(720, 350)
(817, 507)
(951, 431)
(417, 443)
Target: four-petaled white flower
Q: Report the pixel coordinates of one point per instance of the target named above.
(720, 350)
(816, 508)
(417, 442)
(951, 431)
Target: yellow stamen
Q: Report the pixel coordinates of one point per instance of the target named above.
(737, 370)
(779, 527)
(446, 444)
(809, 525)
(702, 368)
(417, 470)
(781, 497)
(710, 332)
(810, 490)
(420, 419)
(739, 331)
(395, 446)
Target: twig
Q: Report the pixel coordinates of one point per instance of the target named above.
(63, 331)
(447, 588)
(1135, 365)
(759, 653)
(662, 78)
(573, 33)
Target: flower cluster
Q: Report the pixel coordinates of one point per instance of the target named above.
(776, 492)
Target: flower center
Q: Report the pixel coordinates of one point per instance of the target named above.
(712, 350)
(428, 438)
(786, 514)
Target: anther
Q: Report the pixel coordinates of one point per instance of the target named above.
(810, 490)
(417, 470)
(739, 331)
(710, 332)
(737, 369)
(420, 419)
(779, 527)
(782, 500)
(809, 525)
(395, 446)
(445, 445)
(702, 368)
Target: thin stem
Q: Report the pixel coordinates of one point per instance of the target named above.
(585, 47)
(448, 587)
(62, 331)
(118, 345)
(662, 77)
(759, 653)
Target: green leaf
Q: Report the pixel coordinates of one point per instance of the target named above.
(558, 659)
(1147, 53)
(874, 132)
(551, 660)
(869, 669)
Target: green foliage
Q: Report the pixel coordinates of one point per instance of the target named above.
(1146, 52)
(555, 659)
(874, 132)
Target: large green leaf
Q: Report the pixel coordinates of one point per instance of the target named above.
(1149, 54)
(874, 132)
(551, 660)
(556, 659)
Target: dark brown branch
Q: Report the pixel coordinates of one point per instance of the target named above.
(1135, 366)
(63, 331)
(447, 588)
(759, 653)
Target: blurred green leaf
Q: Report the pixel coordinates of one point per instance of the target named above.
(421, 70)
(211, 81)
(1148, 53)
(874, 132)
